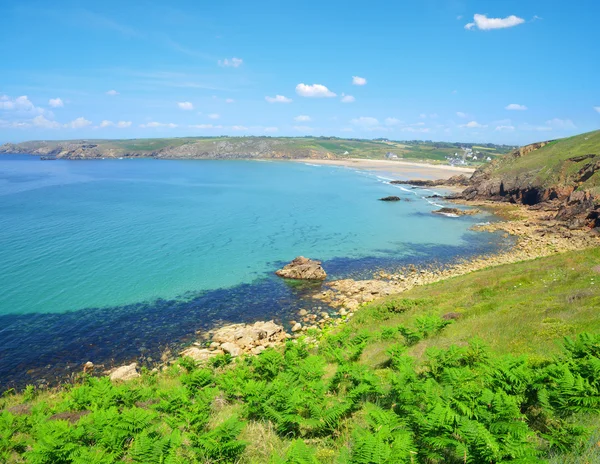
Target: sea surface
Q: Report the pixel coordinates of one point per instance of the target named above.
(114, 260)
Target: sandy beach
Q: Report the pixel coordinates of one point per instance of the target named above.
(404, 170)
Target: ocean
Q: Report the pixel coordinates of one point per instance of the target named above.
(114, 260)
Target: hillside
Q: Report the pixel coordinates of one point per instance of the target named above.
(247, 147)
(561, 175)
(471, 369)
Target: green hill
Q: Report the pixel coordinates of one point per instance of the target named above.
(562, 174)
(473, 369)
(246, 147)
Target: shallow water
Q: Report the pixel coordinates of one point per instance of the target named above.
(112, 260)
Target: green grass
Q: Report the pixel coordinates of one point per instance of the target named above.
(397, 383)
(550, 165)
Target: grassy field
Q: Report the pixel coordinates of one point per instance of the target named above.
(473, 369)
(551, 164)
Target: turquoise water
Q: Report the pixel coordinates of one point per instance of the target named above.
(111, 241)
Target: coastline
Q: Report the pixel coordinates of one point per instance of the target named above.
(408, 169)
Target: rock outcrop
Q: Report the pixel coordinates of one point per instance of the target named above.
(455, 212)
(303, 268)
(566, 188)
(124, 373)
(455, 181)
(390, 198)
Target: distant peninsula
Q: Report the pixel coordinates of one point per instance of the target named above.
(261, 148)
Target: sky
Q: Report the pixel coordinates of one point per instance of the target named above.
(509, 71)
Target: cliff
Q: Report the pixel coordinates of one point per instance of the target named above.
(561, 176)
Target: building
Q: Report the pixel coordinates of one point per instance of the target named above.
(390, 155)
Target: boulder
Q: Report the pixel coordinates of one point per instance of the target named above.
(455, 212)
(297, 327)
(232, 349)
(303, 268)
(125, 373)
(198, 354)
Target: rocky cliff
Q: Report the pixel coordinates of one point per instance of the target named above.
(174, 148)
(560, 176)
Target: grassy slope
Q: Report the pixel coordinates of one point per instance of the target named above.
(525, 308)
(373, 149)
(549, 164)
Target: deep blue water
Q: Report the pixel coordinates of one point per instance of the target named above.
(113, 260)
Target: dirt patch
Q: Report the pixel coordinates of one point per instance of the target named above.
(596, 269)
(20, 409)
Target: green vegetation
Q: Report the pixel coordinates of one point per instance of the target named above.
(268, 147)
(553, 164)
(474, 369)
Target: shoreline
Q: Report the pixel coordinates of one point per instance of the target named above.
(409, 169)
(536, 236)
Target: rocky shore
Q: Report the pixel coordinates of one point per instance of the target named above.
(537, 234)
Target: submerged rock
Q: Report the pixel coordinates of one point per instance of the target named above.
(125, 373)
(391, 198)
(303, 268)
(455, 212)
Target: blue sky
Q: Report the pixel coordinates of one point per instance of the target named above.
(455, 70)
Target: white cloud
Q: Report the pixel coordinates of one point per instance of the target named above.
(392, 122)
(186, 106)
(597, 108)
(515, 107)
(303, 128)
(214, 116)
(422, 130)
(239, 128)
(473, 125)
(347, 99)
(205, 126)
(483, 23)
(302, 118)
(278, 99)
(423, 116)
(358, 80)
(460, 114)
(561, 124)
(229, 100)
(78, 123)
(154, 124)
(270, 129)
(112, 93)
(120, 124)
(56, 103)
(41, 121)
(504, 128)
(365, 121)
(20, 104)
(231, 63)
(314, 90)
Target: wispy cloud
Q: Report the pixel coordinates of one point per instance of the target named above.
(504, 128)
(120, 124)
(365, 121)
(302, 118)
(515, 107)
(78, 123)
(347, 99)
(56, 103)
(483, 23)
(462, 115)
(358, 80)
(112, 93)
(186, 106)
(154, 124)
(231, 63)
(278, 99)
